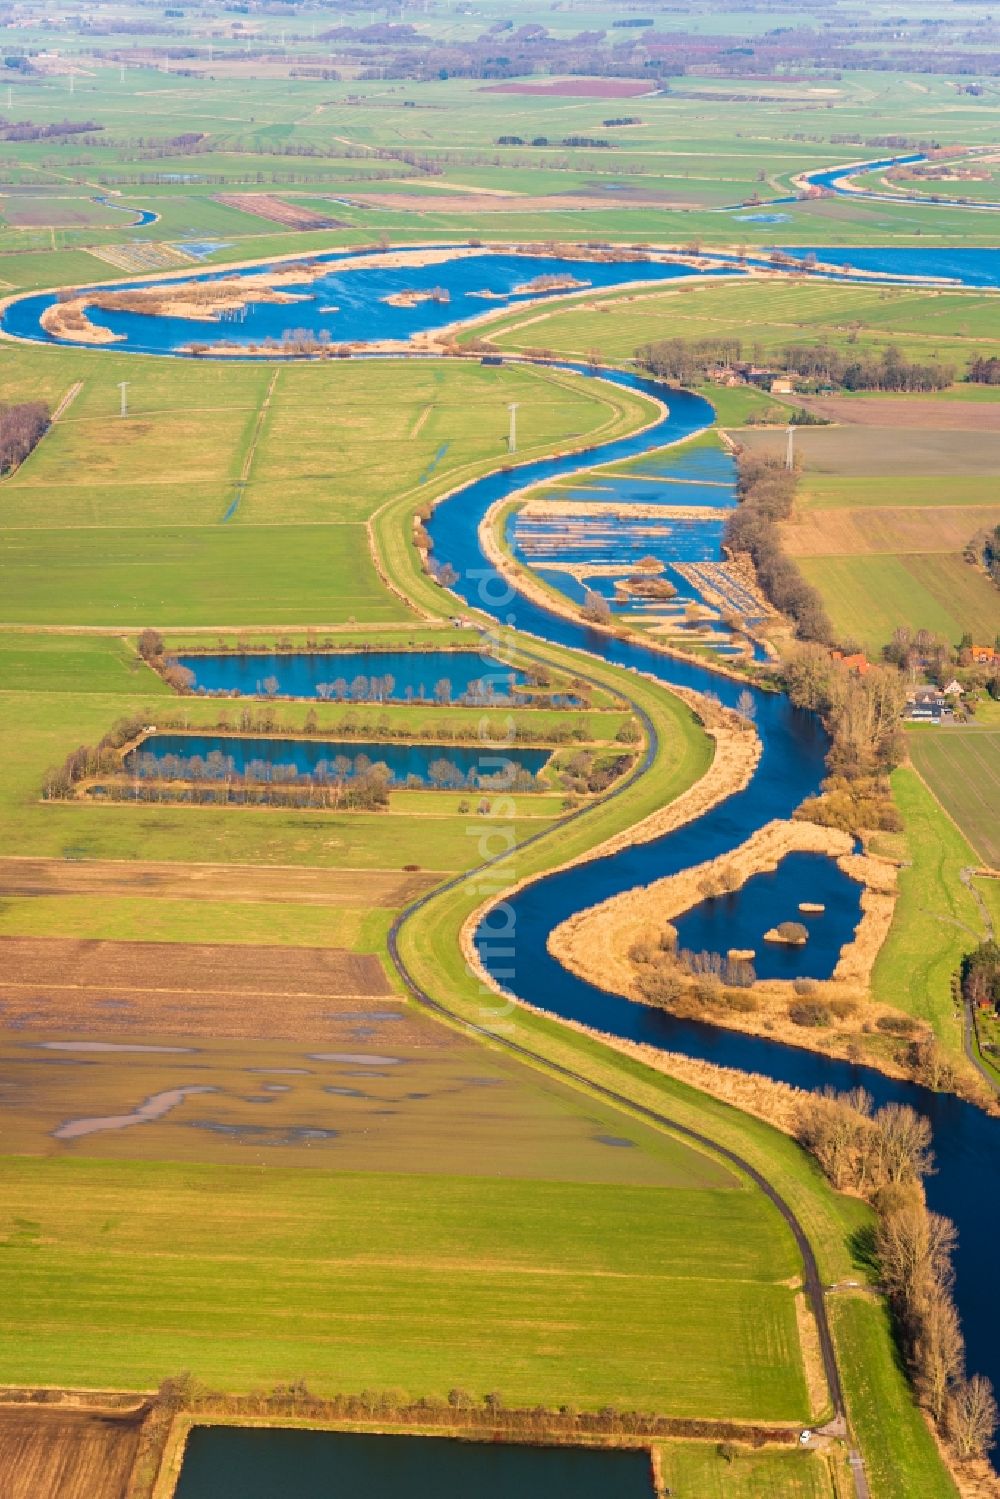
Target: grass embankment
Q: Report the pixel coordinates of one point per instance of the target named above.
(937, 919)
(900, 1453)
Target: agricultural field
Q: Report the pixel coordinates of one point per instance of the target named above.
(171, 515)
(937, 917)
(701, 1267)
(962, 768)
(884, 514)
(76, 1454)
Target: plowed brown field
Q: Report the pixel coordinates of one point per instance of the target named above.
(911, 528)
(907, 411)
(62, 1454)
(158, 988)
(226, 882)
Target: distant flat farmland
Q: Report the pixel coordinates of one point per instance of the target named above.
(962, 768)
(883, 516)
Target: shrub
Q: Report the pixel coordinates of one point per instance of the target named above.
(842, 1008)
(804, 987)
(792, 931)
(741, 1001)
(896, 1025)
(659, 986)
(810, 1012)
(150, 645)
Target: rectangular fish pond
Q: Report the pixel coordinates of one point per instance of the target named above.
(360, 676)
(213, 757)
(246, 1463)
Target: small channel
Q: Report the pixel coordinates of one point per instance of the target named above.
(243, 1463)
(360, 676)
(197, 757)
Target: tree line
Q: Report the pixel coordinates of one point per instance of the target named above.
(884, 1155)
(766, 489)
(862, 715)
(22, 426)
(690, 362)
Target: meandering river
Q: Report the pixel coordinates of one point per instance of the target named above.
(966, 1141)
(358, 303)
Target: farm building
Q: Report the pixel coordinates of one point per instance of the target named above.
(927, 704)
(857, 662)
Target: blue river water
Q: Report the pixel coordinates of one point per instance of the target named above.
(966, 1140)
(832, 179)
(186, 757)
(142, 216)
(349, 306)
(364, 676)
(240, 1463)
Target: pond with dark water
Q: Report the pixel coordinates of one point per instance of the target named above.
(385, 676)
(966, 1184)
(244, 1463)
(211, 757)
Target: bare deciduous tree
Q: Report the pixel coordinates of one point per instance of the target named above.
(972, 1417)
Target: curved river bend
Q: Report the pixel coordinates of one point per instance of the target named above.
(966, 1141)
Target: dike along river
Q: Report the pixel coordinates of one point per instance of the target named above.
(966, 1185)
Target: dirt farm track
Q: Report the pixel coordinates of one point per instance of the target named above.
(288, 884)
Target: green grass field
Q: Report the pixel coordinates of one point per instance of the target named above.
(962, 768)
(696, 1468)
(900, 1454)
(936, 920)
(867, 597)
(484, 1284)
(767, 317)
(102, 526)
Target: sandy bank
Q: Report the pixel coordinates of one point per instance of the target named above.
(544, 507)
(68, 320)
